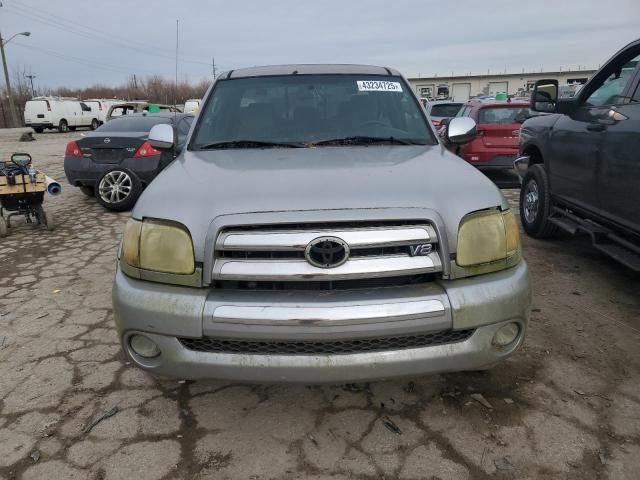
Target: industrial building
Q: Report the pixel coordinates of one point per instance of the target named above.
(462, 87)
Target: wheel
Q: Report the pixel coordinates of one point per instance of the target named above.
(63, 126)
(535, 203)
(88, 191)
(38, 129)
(118, 189)
(49, 220)
(94, 124)
(4, 228)
(45, 218)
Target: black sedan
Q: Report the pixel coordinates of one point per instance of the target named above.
(116, 162)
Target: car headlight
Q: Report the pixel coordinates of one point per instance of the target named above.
(490, 238)
(157, 246)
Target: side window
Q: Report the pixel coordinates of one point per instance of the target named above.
(611, 91)
(183, 128)
(85, 107)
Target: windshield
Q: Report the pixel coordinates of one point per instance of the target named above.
(131, 123)
(306, 110)
(503, 114)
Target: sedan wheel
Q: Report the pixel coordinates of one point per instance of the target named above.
(115, 187)
(118, 189)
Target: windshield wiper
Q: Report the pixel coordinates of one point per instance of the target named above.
(364, 140)
(247, 144)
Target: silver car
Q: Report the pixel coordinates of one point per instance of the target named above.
(315, 229)
(438, 110)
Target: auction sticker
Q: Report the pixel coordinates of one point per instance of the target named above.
(379, 86)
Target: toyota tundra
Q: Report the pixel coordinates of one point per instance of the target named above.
(315, 229)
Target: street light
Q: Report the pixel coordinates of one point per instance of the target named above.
(12, 107)
(26, 34)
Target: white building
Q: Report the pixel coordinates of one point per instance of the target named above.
(461, 87)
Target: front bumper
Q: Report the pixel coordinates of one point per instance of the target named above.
(502, 161)
(165, 313)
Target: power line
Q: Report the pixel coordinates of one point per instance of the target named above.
(93, 34)
(71, 58)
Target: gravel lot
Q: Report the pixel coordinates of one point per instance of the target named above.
(566, 406)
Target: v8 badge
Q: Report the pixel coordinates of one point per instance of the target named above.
(420, 250)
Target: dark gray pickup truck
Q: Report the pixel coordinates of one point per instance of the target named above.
(580, 165)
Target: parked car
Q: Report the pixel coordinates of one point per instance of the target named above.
(192, 105)
(496, 144)
(100, 107)
(137, 106)
(315, 230)
(116, 162)
(580, 165)
(61, 113)
(439, 109)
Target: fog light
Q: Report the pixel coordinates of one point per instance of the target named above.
(144, 346)
(506, 334)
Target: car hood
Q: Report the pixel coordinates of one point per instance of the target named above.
(201, 186)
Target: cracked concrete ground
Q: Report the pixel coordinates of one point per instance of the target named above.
(566, 406)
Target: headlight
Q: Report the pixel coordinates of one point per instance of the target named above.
(488, 237)
(158, 246)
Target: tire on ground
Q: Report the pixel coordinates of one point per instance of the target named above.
(63, 126)
(539, 226)
(122, 198)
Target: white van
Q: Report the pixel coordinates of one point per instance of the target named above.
(100, 107)
(62, 113)
(192, 105)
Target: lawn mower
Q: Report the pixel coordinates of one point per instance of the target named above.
(22, 190)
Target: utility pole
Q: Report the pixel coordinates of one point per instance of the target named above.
(31, 77)
(12, 107)
(213, 67)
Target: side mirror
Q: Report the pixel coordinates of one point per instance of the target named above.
(461, 130)
(162, 137)
(545, 96)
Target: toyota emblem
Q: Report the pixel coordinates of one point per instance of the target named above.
(327, 252)
(107, 140)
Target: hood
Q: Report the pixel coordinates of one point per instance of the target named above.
(200, 186)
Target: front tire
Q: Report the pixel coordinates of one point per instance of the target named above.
(63, 126)
(535, 203)
(45, 218)
(118, 189)
(94, 124)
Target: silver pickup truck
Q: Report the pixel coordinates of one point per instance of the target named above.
(315, 229)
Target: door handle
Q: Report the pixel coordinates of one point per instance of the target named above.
(596, 127)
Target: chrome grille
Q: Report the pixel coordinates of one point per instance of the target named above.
(335, 347)
(277, 253)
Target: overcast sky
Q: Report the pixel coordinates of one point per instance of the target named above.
(83, 42)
